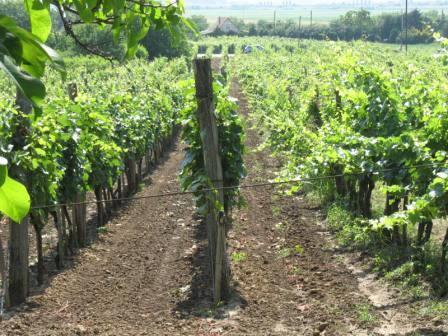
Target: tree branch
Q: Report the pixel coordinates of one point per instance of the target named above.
(69, 30)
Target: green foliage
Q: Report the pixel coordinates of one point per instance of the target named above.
(40, 18)
(163, 42)
(133, 19)
(15, 9)
(299, 249)
(14, 198)
(334, 110)
(365, 313)
(200, 22)
(231, 147)
(352, 25)
(23, 58)
(435, 309)
(91, 35)
(338, 217)
(405, 276)
(238, 257)
(157, 42)
(360, 120)
(285, 252)
(142, 52)
(416, 270)
(82, 144)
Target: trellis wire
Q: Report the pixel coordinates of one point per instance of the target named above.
(244, 186)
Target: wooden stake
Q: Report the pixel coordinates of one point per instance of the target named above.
(213, 169)
(78, 210)
(79, 219)
(61, 238)
(18, 266)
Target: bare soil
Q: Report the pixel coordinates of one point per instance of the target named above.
(147, 275)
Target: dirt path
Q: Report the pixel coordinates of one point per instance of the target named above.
(290, 277)
(126, 282)
(147, 274)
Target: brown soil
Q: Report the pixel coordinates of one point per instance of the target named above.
(147, 275)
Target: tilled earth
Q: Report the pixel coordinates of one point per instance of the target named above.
(147, 275)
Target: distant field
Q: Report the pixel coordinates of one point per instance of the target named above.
(320, 15)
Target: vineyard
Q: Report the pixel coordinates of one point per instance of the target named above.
(96, 130)
(300, 189)
(366, 134)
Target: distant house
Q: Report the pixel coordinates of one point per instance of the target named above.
(223, 26)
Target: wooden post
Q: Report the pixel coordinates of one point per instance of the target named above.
(18, 265)
(79, 219)
(78, 210)
(99, 206)
(61, 240)
(119, 189)
(132, 175)
(213, 168)
(72, 91)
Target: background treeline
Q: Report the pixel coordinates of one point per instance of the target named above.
(354, 25)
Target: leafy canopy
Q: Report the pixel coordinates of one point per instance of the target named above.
(14, 198)
(23, 54)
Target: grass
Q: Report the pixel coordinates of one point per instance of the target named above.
(415, 270)
(238, 257)
(298, 249)
(276, 212)
(102, 229)
(435, 309)
(338, 217)
(365, 314)
(285, 252)
(410, 282)
(349, 230)
(296, 270)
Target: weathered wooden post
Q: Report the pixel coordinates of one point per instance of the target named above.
(131, 174)
(212, 161)
(78, 210)
(18, 265)
(59, 223)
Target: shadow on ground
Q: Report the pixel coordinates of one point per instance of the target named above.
(199, 302)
